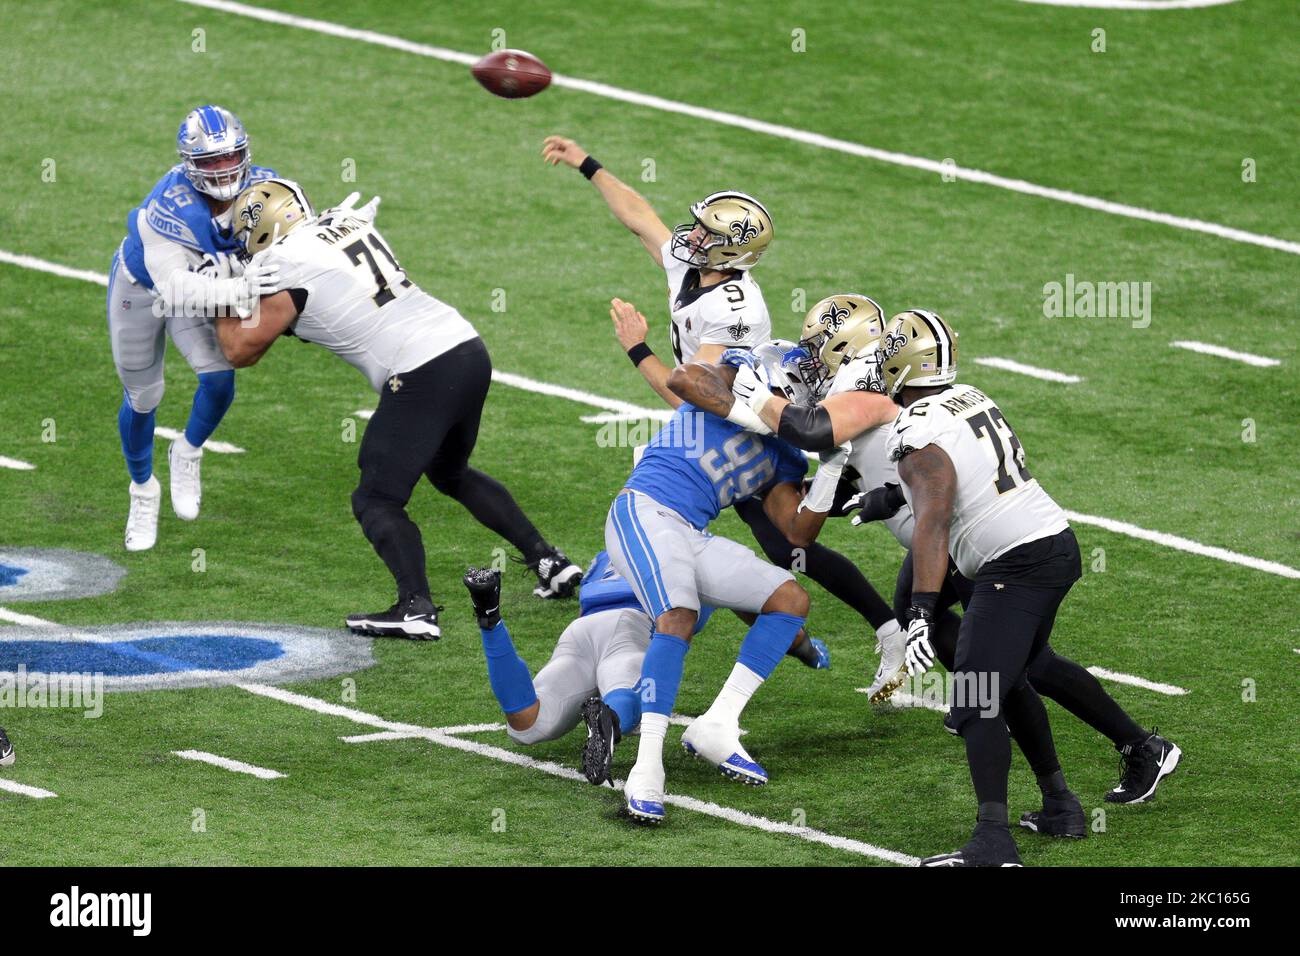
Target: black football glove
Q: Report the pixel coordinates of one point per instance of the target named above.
(876, 504)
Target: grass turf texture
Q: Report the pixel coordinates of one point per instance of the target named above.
(1152, 436)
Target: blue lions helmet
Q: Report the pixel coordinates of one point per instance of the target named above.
(780, 361)
(209, 138)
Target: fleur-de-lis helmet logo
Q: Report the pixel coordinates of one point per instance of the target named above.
(251, 214)
(834, 317)
(744, 230)
(893, 342)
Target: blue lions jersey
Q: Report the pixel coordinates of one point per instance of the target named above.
(698, 464)
(175, 209)
(604, 589)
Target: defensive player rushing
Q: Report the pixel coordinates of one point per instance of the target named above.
(656, 535)
(593, 671)
(175, 269)
(340, 286)
(964, 475)
(715, 304)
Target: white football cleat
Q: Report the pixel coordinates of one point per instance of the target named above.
(187, 489)
(142, 521)
(891, 642)
(719, 744)
(644, 793)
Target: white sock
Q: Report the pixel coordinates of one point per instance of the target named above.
(650, 748)
(183, 447)
(888, 629)
(152, 482)
(735, 694)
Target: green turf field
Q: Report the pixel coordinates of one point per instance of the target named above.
(1153, 436)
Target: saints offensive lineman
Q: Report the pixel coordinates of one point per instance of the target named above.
(175, 269)
(964, 476)
(341, 287)
(714, 304)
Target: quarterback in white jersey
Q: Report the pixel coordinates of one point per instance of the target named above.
(339, 285)
(714, 301)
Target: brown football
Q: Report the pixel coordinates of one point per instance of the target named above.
(513, 74)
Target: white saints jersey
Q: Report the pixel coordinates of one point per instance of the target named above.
(360, 305)
(998, 505)
(869, 457)
(731, 313)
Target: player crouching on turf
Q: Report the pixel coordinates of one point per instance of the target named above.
(964, 475)
(176, 268)
(340, 286)
(593, 671)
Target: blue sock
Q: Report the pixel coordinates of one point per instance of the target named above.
(211, 400)
(661, 673)
(136, 429)
(507, 672)
(627, 704)
(767, 641)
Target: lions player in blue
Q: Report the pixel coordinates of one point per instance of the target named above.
(176, 269)
(657, 538)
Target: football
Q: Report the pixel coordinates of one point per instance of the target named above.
(512, 74)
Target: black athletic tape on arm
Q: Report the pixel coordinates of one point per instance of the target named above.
(589, 167)
(926, 601)
(639, 353)
(807, 427)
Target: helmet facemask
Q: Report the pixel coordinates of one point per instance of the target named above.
(225, 182)
(691, 243)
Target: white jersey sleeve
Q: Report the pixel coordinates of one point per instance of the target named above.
(360, 304)
(998, 505)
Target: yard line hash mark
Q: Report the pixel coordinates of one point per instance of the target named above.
(519, 381)
(1134, 681)
(1205, 348)
(1046, 374)
(225, 763)
(770, 129)
(23, 790)
(441, 737)
(15, 464)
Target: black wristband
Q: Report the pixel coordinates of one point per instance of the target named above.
(925, 601)
(589, 167)
(639, 353)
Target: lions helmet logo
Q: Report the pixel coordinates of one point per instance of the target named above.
(834, 318)
(251, 214)
(744, 231)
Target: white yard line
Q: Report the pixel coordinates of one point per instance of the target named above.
(1169, 689)
(1205, 348)
(225, 763)
(1046, 374)
(53, 268)
(221, 447)
(441, 737)
(36, 793)
(903, 701)
(769, 129)
(15, 464)
(1132, 4)
(612, 405)
(1185, 544)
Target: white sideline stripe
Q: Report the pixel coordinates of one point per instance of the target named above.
(1132, 4)
(221, 447)
(15, 464)
(1185, 544)
(1118, 527)
(567, 773)
(1156, 686)
(769, 129)
(36, 793)
(225, 763)
(15, 617)
(41, 265)
(1046, 374)
(1205, 348)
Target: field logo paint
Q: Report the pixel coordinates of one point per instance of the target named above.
(178, 655)
(54, 574)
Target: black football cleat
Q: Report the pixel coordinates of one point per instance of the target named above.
(603, 733)
(990, 845)
(6, 750)
(484, 586)
(1142, 767)
(415, 619)
(1060, 817)
(557, 576)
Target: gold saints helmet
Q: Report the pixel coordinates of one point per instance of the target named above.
(268, 210)
(730, 230)
(918, 349)
(836, 330)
